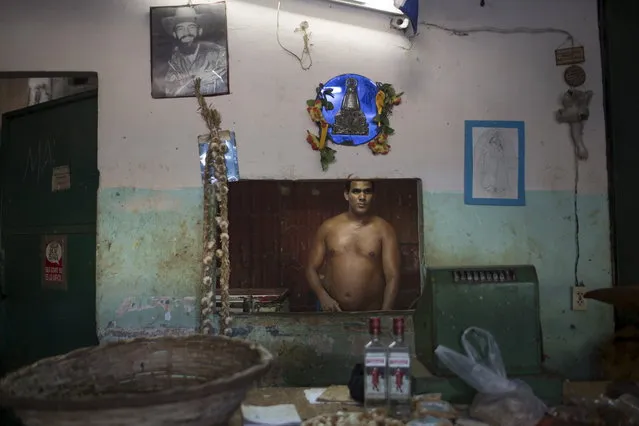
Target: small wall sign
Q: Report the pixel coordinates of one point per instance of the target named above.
(575, 76)
(54, 262)
(570, 56)
(60, 179)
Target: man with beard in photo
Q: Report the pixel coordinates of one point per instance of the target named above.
(193, 57)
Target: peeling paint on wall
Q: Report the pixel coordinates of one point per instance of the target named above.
(149, 254)
(148, 257)
(136, 304)
(114, 334)
(324, 357)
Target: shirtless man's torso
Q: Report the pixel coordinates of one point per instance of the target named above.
(360, 254)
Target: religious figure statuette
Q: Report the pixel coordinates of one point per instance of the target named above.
(363, 117)
(350, 120)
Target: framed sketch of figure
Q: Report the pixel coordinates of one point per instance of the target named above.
(189, 42)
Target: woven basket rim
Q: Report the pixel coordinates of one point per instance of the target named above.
(126, 400)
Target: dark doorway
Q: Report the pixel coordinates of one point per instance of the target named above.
(618, 20)
(48, 198)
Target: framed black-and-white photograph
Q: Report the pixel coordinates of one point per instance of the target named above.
(189, 42)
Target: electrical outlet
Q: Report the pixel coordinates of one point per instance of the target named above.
(578, 299)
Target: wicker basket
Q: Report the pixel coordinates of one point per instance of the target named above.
(195, 380)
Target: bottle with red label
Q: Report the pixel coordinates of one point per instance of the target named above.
(399, 374)
(375, 363)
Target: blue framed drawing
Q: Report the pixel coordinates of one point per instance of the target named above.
(494, 163)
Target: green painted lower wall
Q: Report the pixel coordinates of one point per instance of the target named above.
(149, 249)
(541, 234)
(149, 260)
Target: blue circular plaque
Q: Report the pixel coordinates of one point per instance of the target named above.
(354, 109)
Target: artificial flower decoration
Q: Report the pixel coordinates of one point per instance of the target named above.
(385, 100)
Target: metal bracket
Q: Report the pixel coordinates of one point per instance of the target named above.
(399, 22)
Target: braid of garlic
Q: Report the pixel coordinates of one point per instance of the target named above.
(215, 226)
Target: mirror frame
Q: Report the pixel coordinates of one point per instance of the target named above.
(350, 314)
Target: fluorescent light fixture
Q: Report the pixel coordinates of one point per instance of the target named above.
(385, 6)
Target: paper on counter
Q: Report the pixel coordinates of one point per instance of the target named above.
(336, 393)
(312, 394)
(275, 415)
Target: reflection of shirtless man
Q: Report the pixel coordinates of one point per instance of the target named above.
(361, 255)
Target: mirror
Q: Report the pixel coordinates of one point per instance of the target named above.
(274, 225)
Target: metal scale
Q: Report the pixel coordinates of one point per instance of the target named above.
(501, 299)
(256, 300)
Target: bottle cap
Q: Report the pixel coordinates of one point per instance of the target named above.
(374, 325)
(398, 325)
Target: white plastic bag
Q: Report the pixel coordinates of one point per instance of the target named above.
(499, 401)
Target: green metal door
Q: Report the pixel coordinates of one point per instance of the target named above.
(48, 183)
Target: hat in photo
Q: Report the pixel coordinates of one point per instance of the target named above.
(206, 20)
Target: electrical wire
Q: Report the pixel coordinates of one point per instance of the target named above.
(576, 213)
(305, 37)
(496, 30)
(463, 32)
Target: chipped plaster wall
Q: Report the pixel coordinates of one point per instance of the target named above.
(150, 197)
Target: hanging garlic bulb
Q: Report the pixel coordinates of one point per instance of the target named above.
(212, 248)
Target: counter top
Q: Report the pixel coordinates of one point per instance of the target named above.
(296, 396)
